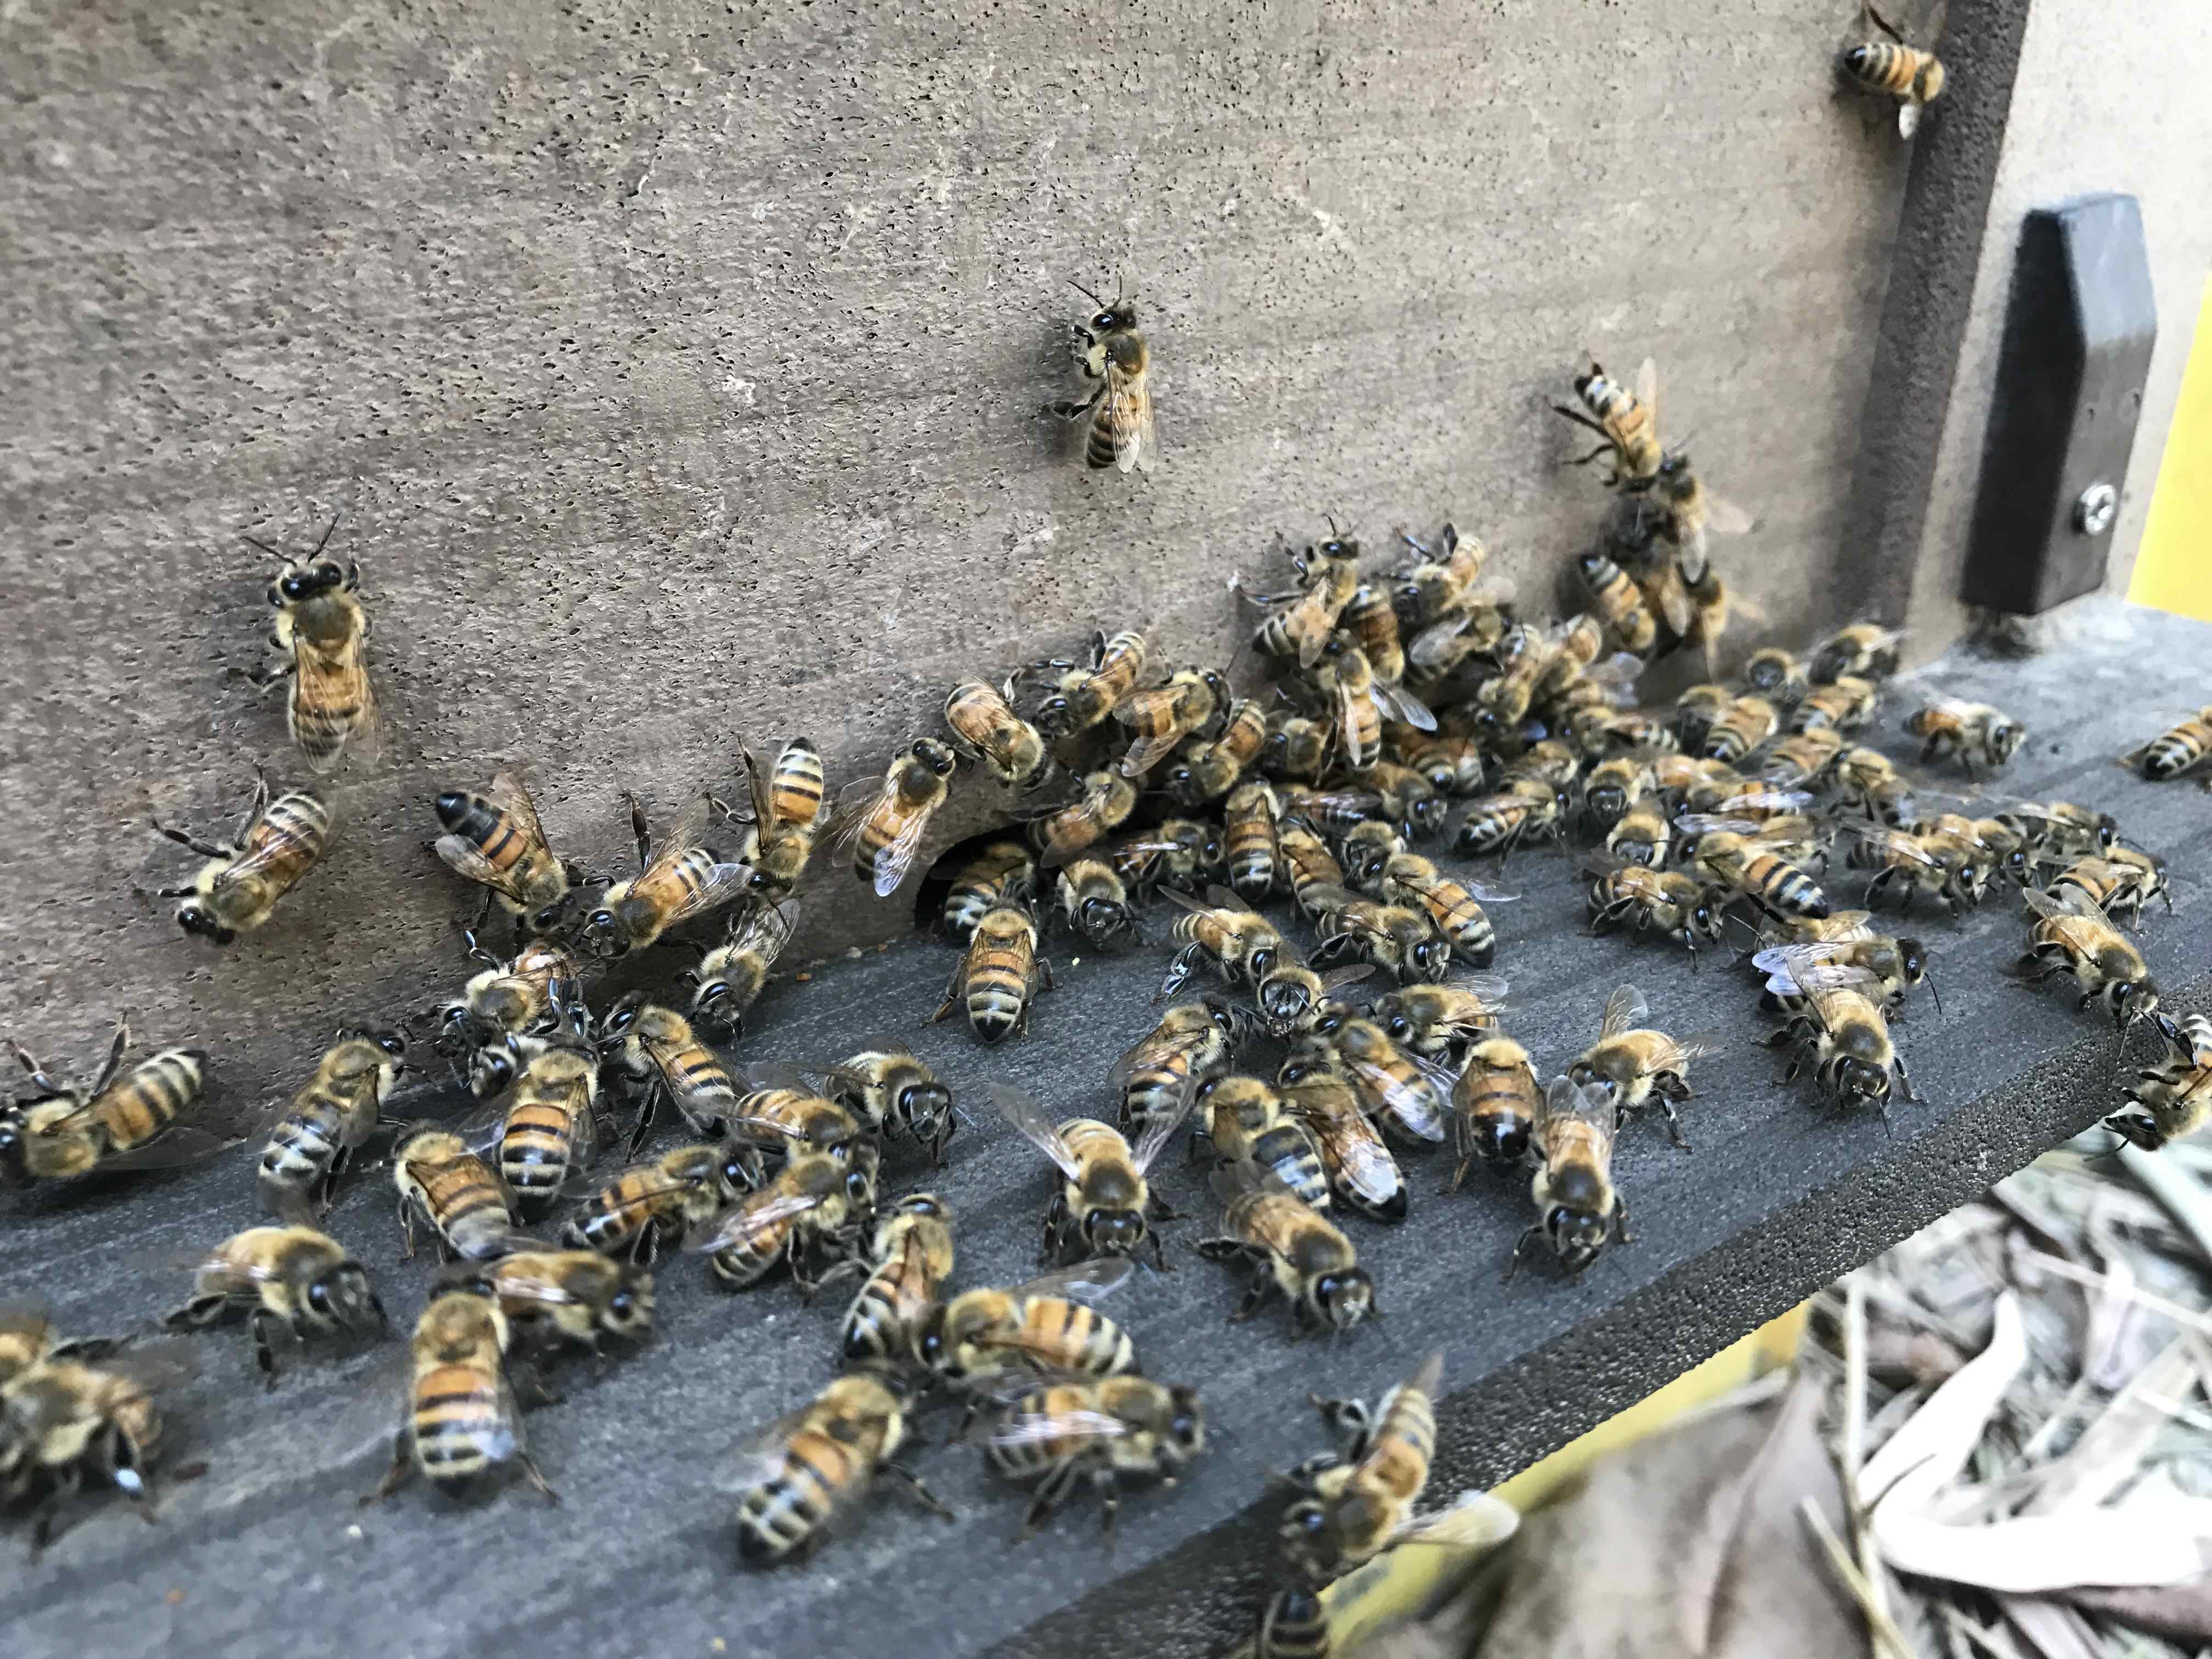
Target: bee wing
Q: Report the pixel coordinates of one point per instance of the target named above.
(1783, 964)
(511, 793)
(759, 1457)
(756, 786)
(26, 1318)
(1158, 1131)
(1021, 1428)
(334, 678)
(1159, 702)
(1396, 700)
(1231, 1182)
(180, 1143)
(1724, 517)
(1770, 800)
(1822, 983)
(1483, 893)
(688, 831)
(1146, 753)
(1086, 1281)
(655, 1185)
(1700, 1045)
(1665, 592)
(746, 1219)
(1432, 646)
(896, 858)
(1908, 117)
(1152, 1050)
(1365, 1165)
(1619, 669)
(1199, 907)
(1568, 1102)
(850, 813)
(1416, 1104)
(764, 927)
(463, 860)
(1956, 708)
(1625, 1010)
(1222, 899)
(1129, 415)
(1337, 978)
(1027, 1115)
(1893, 841)
(1705, 823)
(1647, 387)
(2067, 903)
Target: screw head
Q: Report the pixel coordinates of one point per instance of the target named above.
(2097, 506)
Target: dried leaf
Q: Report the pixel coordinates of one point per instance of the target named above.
(2050, 1629)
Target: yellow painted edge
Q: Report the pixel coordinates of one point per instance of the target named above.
(2174, 568)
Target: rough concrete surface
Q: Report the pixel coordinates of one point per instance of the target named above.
(1781, 1193)
(678, 369)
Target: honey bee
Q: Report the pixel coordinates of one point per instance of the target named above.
(1210, 771)
(884, 831)
(1163, 716)
(1096, 904)
(550, 1128)
(1867, 780)
(2060, 827)
(1478, 627)
(1773, 673)
(1178, 853)
(1307, 862)
(1642, 836)
(1105, 804)
(1436, 586)
(1624, 894)
(1698, 709)
(1292, 1249)
(1363, 701)
(1245, 1120)
(1453, 908)
(1499, 823)
(334, 1112)
(1840, 1029)
(2177, 751)
(1627, 420)
(795, 1477)
(1599, 730)
(1293, 1625)
(1913, 77)
(1495, 1106)
(1452, 766)
(1634, 1065)
(66, 1130)
(2071, 935)
(782, 1113)
(2175, 1096)
(318, 640)
(1355, 1506)
(495, 840)
(1971, 731)
(814, 1200)
(985, 729)
(63, 1420)
(660, 1060)
(1002, 873)
(1899, 964)
(1395, 938)
(1043, 1326)
(1746, 723)
(1865, 649)
(677, 881)
(999, 974)
(1732, 853)
(651, 1205)
(236, 890)
(788, 801)
(1581, 1209)
(894, 1095)
(462, 1420)
(1618, 603)
(1240, 942)
(510, 998)
(1408, 800)
(26, 1339)
(1524, 659)
(1328, 577)
(1688, 513)
(1614, 785)
(1362, 1174)
(1940, 868)
(1106, 1431)
(1156, 1077)
(730, 978)
(2120, 888)
(1401, 1092)
(578, 1297)
(910, 1261)
(292, 1277)
(453, 1192)
(1372, 619)
(1297, 748)
(1294, 1001)
(1105, 1206)
(1846, 703)
(1433, 1021)
(1255, 859)
(1115, 355)
(1084, 696)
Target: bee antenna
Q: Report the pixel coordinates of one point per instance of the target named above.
(256, 541)
(1087, 293)
(328, 532)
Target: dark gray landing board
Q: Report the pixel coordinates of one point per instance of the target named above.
(261, 1554)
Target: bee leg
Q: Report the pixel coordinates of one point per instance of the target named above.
(1513, 1261)
(1253, 1298)
(1620, 1220)
(1904, 1077)
(396, 1476)
(639, 829)
(531, 1389)
(537, 1479)
(205, 849)
(921, 1494)
(1051, 1492)
(67, 1480)
(264, 1350)
(407, 1226)
(1068, 409)
(1103, 1481)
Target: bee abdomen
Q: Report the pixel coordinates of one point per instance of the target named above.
(153, 1096)
(457, 1409)
(1883, 66)
(781, 1513)
(535, 1150)
(1289, 1154)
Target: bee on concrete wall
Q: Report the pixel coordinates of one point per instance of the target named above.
(236, 890)
(319, 643)
(67, 1130)
(496, 839)
(884, 830)
(1627, 420)
(1113, 353)
(787, 813)
(679, 881)
(1911, 76)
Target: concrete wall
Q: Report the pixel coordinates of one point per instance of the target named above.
(678, 368)
(2099, 104)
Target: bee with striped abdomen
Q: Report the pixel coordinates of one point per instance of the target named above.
(1293, 1625)
(679, 881)
(1698, 708)
(1435, 1021)
(1105, 1431)
(1844, 704)
(2175, 1096)
(2070, 935)
(814, 1200)
(1945, 869)
(659, 1059)
(1971, 731)
(461, 1199)
(1734, 853)
(1085, 696)
(1192, 701)
(781, 1114)
(1495, 1106)
(1002, 873)
(1254, 860)
(1644, 834)
(523, 996)
(1104, 806)
(1178, 853)
(910, 1262)
(1623, 894)
(318, 640)
(1744, 724)
(550, 1127)
(66, 1419)
(1209, 771)
(2059, 827)
(787, 802)
(1453, 765)
(1897, 964)
(1371, 618)
(462, 1420)
(1634, 1064)
(1289, 1248)
(1155, 1078)
(653, 1205)
(1362, 1173)
(894, 1095)
(884, 830)
(1104, 1204)
(1581, 1211)
(1614, 785)
(1396, 938)
(1095, 903)
(494, 839)
(1240, 942)
(1906, 73)
(1840, 1029)
(1355, 1506)
(1618, 603)
(985, 729)
(236, 890)
(1245, 1120)
(1525, 813)
(1298, 748)
(1401, 1092)
(131, 1122)
(1043, 1326)
(1867, 780)
(798, 1476)
(295, 1277)
(1328, 576)
(1865, 649)
(2120, 886)
(577, 1298)
(1113, 353)
(730, 978)
(1453, 908)
(1362, 702)
(1628, 421)
(1434, 588)
(333, 1114)
(2177, 751)
(1688, 513)
(999, 974)
(1307, 864)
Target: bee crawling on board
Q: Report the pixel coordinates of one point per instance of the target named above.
(238, 888)
(1113, 353)
(2173, 1099)
(319, 642)
(1580, 1210)
(1893, 67)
